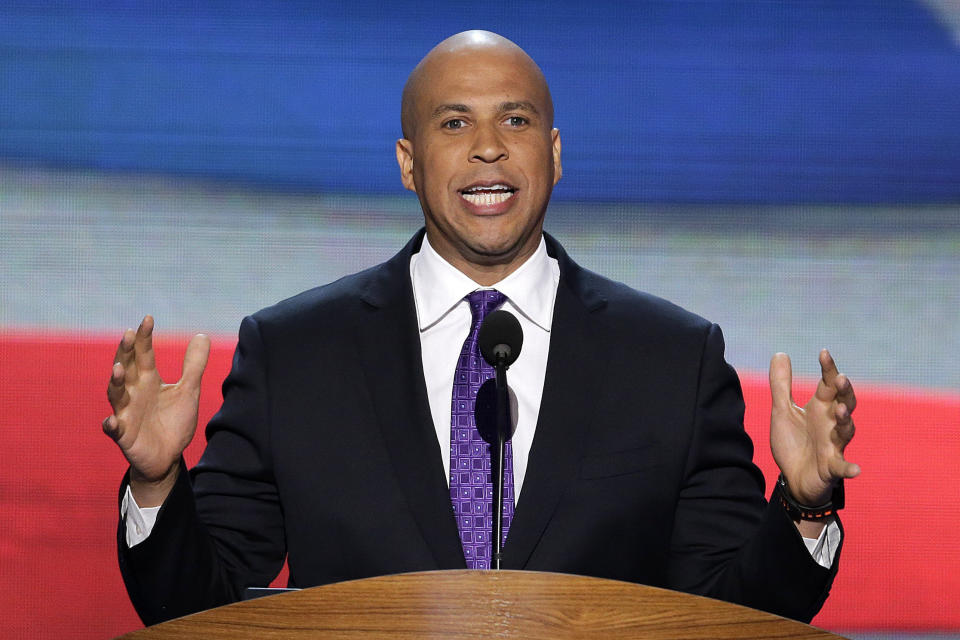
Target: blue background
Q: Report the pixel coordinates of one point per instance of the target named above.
(737, 102)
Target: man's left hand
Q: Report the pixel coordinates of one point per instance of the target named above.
(808, 442)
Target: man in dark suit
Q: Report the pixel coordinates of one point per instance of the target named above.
(334, 446)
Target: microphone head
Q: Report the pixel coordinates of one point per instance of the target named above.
(500, 338)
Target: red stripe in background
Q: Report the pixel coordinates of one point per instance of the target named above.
(58, 483)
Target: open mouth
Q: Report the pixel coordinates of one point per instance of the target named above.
(486, 195)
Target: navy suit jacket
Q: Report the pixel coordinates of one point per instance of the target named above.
(324, 452)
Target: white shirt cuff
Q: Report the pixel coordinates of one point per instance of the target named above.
(822, 549)
(139, 522)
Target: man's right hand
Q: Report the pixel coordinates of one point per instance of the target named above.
(153, 422)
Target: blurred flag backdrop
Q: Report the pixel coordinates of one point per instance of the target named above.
(789, 169)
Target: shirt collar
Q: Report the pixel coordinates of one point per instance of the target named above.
(438, 286)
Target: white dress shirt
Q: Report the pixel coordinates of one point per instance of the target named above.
(444, 319)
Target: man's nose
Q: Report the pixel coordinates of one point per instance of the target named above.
(488, 146)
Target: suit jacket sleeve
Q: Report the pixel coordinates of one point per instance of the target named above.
(722, 497)
(218, 532)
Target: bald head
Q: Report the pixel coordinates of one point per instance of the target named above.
(480, 151)
(463, 49)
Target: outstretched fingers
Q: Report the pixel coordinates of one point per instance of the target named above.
(143, 345)
(125, 354)
(111, 427)
(117, 389)
(134, 356)
(195, 361)
(781, 381)
(845, 394)
(836, 388)
(119, 398)
(827, 387)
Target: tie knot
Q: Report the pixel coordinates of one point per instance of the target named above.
(483, 302)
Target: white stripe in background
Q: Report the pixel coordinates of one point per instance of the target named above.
(947, 13)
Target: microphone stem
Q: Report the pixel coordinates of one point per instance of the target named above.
(497, 457)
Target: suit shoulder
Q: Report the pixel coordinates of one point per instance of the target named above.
(322, 303)
(628, 306)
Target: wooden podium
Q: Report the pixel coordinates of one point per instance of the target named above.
(482, 604)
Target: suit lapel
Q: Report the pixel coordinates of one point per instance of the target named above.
(389, 348)
(575, 368)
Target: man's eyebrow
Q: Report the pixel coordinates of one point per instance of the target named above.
(523, 105)
(444, 108)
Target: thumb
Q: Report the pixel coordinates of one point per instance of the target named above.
(195, 361)
(781, 381)
(842, 469)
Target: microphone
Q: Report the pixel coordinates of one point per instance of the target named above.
(500, 339)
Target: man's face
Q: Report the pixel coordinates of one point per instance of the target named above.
(483, 158)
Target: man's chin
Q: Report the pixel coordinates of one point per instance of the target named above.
(496, 252)
(485, 246)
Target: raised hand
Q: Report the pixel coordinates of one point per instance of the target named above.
(153, 422)
(808, 442)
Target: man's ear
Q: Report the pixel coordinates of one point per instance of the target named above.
(557, 167)
(405, 160)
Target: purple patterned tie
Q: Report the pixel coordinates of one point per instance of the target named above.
(471, 489)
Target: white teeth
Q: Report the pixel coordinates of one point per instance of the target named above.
(496, 187)
(487, 198)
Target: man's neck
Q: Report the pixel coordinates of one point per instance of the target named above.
(483, 270)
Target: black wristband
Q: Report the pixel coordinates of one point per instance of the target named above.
(799, 511)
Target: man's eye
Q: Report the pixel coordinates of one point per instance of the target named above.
(456, 123)
(516, 121)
